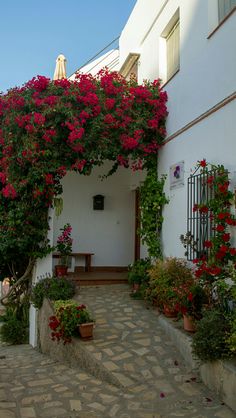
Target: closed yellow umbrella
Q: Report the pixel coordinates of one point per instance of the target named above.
(60, 69)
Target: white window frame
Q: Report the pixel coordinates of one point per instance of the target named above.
(173, 51)
(225, 7)
(165, 72)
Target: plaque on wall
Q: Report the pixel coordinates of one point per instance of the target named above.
(177, 175)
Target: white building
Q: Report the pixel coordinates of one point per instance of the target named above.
(109, 60)
(191, 46)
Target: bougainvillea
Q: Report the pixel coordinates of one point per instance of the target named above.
(50, 127)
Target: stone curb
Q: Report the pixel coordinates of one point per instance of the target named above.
(219, 376)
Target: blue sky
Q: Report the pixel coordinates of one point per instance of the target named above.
(33, 33)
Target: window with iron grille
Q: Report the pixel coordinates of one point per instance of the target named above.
(199, 224)
(225, 7)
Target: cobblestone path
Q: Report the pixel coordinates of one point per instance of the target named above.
(154, 381)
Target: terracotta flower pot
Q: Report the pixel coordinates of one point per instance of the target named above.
(86, 330)
(61, 271)
(189, 324)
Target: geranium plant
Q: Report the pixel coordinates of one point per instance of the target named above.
(64, 243)
(68, 316)
(219, 250)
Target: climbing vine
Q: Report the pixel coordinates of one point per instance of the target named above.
(152, 200)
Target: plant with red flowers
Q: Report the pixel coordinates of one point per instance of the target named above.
(190, 297)
(220, 250)
(68, 316)
(48, 128)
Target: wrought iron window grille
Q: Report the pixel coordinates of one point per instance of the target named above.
(200, 225)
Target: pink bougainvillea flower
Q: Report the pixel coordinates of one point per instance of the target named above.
(9, 191)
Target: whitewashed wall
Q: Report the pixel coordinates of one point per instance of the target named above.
(213, 139)
(206, 77)
(43, 268)
(108, 233)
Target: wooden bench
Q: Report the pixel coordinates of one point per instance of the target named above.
(87, 258)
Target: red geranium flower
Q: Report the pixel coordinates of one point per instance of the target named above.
(203, 163)
(208, 244)
(220, 228)
(226, 237)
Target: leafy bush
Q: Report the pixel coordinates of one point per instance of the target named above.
(15, 328)
(54, 288)
(166, 276)
(138, 271)
(210, 342)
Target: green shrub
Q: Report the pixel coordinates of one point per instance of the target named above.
(231, 340)
(138, 271)
(54, 288)
(15, 328)
(166, 277)
(210, 342)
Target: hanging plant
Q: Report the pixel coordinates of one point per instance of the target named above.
(58, 205)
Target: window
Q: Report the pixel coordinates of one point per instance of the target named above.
(225, 7)
(199, 223)
(172, 50)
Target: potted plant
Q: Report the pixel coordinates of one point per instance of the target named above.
(68, 318)
(138, 273)
(165, 278)
(191, 298)
(64, 249)
(86, 322)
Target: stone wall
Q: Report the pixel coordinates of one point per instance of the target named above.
(73, 354)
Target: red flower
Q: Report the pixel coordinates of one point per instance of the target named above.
(220, 228)
(215, 271)
(39, 119)
(226, 237)
(223, 248)
(203, 209)
(49, 179)
(9, 191)
(232, 252)
(202, 163)
(190, 297)
(208, 244)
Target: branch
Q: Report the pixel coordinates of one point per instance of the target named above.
(19, 281)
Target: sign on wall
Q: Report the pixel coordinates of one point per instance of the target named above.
(177, 175)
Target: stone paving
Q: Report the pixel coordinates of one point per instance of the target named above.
(154, 381)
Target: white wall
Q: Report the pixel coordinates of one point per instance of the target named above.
(207, 66)
(42, 269)
(109, 233)
(212, 139)
(207, 76)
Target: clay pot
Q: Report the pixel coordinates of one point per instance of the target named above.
(189, 324)
(61, 271)
(86, 330)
